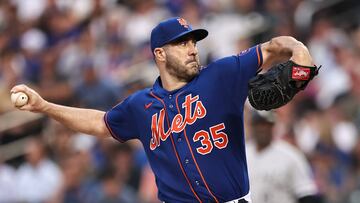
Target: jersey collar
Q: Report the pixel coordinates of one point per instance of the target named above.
(161, 92)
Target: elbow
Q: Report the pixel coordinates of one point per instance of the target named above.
(286, 42)
(291, 46)
(291, 38)
(103, 131)
(296, 44)
(100, 128)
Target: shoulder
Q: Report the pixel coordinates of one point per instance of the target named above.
(140, 94)
(290, 152)
(223, 62)
(249, 57)
(223, 66)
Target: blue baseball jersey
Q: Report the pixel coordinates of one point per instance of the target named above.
(194, 136)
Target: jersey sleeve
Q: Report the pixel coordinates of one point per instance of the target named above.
(236, 71)
(250, 61)
(121, 122)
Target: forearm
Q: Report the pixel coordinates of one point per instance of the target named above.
(284, 48)
(87, 121)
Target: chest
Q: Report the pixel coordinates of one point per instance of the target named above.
(270, 168)
(201, 119)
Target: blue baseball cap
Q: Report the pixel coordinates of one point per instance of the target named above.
(172, 29)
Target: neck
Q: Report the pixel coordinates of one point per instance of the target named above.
(171, 83)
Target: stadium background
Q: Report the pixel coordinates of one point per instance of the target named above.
(93, 53)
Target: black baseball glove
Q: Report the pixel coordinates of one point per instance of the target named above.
(279, 84)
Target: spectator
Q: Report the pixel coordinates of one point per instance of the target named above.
(77, 180)
(278, 172)
(92, 92)
(7, 183)
(38, 178)
(111, 189)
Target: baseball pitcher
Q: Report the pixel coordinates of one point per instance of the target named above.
(190, 121)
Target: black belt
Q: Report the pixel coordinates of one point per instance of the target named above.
(238, 201)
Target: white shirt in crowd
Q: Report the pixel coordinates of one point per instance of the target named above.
(7, 183)
(38, 184)
(279, 173)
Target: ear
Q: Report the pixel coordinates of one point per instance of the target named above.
(159, 54)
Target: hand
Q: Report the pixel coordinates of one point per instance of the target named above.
(35, 103)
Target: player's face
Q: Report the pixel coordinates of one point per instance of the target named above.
(262, 133)
(182, 59)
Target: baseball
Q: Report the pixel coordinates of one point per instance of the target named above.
(19, 99)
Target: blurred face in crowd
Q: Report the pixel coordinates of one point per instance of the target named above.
(182, 59)
(123, 162)
(262, 133)
(90, 75)
(34, 152)
(73, 172)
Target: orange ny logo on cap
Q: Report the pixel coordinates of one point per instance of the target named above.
(183, 22)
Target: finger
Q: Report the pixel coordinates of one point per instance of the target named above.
(26, 107)
(23, 88)
(19, 88)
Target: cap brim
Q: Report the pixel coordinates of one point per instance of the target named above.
(199, 34)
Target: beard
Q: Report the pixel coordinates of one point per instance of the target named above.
(184, 72)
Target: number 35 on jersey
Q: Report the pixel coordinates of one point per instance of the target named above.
(209, 138)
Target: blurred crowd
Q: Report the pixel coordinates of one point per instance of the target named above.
(93, 53)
